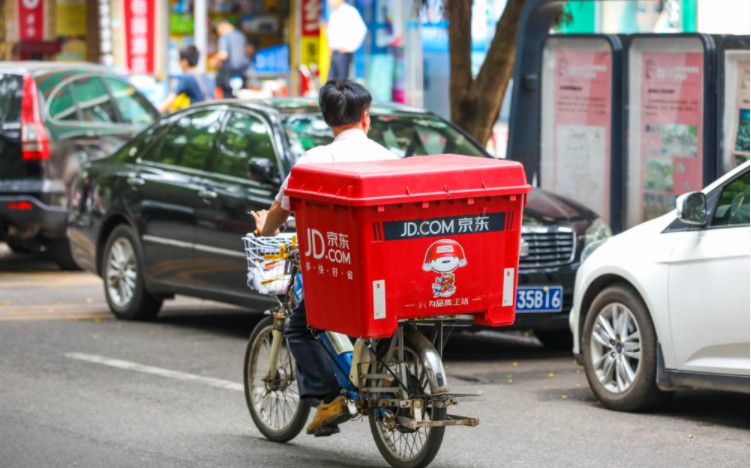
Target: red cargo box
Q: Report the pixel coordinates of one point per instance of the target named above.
(383, 241)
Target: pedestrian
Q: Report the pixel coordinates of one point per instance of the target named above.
(193, 85)
(345, 106)
(230, 59)
(346, 32)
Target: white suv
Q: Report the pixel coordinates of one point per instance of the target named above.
(665, 305)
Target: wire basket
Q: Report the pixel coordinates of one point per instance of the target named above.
(267, 276)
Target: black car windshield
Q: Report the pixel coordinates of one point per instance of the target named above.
(403, 134)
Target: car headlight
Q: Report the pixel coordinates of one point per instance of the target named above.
(595, 236)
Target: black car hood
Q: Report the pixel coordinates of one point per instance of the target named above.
(547, 208)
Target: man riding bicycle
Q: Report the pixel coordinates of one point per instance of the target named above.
(345, 107)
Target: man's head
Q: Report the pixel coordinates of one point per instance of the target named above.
(188, 57)
(224, 27)
(345, 103)
(334, 4)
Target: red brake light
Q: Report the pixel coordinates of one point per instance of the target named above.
(34, 139)
(21, 205)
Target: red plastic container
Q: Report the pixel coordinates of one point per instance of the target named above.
(384, 241)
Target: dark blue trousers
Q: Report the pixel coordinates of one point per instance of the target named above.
(315, 376)
(339, 68)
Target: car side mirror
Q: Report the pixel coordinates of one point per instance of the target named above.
(692, 208)
(263, 169)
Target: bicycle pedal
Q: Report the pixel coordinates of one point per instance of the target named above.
(325, 431)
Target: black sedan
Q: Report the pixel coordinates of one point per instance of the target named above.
(165, 214)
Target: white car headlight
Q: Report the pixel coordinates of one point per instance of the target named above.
(595, 236)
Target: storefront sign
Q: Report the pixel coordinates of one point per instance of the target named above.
(310, 29)
(576, 119)
(31, 20)
(139, 35)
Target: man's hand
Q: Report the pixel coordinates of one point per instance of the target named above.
(269, 221)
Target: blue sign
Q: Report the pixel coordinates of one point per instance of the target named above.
(273, 59)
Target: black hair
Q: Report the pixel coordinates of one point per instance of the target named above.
(189, 53)
(343, 102)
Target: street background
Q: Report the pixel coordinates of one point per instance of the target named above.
(79, 388)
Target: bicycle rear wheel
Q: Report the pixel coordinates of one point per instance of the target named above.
(274, 403)
(402, 447)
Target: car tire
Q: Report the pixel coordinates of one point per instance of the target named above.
(619, 348)
(560, 340)
(122, 271)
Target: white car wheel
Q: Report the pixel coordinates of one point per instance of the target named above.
(619, 347)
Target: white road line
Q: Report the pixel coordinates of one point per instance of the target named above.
(133, 366)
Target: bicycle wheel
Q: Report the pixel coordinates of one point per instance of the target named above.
(274, 404)
(402, 447)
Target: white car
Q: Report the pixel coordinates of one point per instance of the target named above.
(665, 305)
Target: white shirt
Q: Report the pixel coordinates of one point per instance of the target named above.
(346, 30)
(349, 146)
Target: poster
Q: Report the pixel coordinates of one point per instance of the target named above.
(577, 108)
(666, 119)
(735, 136)
(671, 116)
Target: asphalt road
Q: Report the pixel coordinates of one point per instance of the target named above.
(78, 388)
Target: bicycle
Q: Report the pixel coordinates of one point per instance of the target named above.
(399, 383)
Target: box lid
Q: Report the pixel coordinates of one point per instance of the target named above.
(409, 180)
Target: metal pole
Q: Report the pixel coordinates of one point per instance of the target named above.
(200, 33)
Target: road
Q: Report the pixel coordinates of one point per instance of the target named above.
(78, 388)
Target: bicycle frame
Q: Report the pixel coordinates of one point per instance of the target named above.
(352, 364)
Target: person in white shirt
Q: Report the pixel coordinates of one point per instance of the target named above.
(345, 107)
(346, 32)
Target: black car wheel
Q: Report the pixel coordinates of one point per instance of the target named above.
(122, 270)
(619, 348)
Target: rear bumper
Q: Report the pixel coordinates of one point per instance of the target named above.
(39, 217)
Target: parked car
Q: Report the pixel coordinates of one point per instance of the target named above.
(665, 305)
(53, 117)
(164, 215)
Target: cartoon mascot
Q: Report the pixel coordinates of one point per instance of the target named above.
(444, 256)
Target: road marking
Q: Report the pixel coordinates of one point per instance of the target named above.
(51, 316)
(133, 366)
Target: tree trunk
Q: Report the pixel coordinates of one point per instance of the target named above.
(475, 103)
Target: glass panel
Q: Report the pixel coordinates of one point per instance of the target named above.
(11, 92)
(733, 206)
(93, 99)
(133, 108)
(62, 106)
(244, 138)
(189, 141)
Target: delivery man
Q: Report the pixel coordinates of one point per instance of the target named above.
(345, 107)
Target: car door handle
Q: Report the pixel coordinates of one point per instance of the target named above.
(204, 193)
(135, 181)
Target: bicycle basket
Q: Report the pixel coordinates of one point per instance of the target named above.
(267, 276)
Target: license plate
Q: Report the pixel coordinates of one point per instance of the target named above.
(539, 299)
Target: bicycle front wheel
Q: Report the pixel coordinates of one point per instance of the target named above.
(273, 399)
(402, 447)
